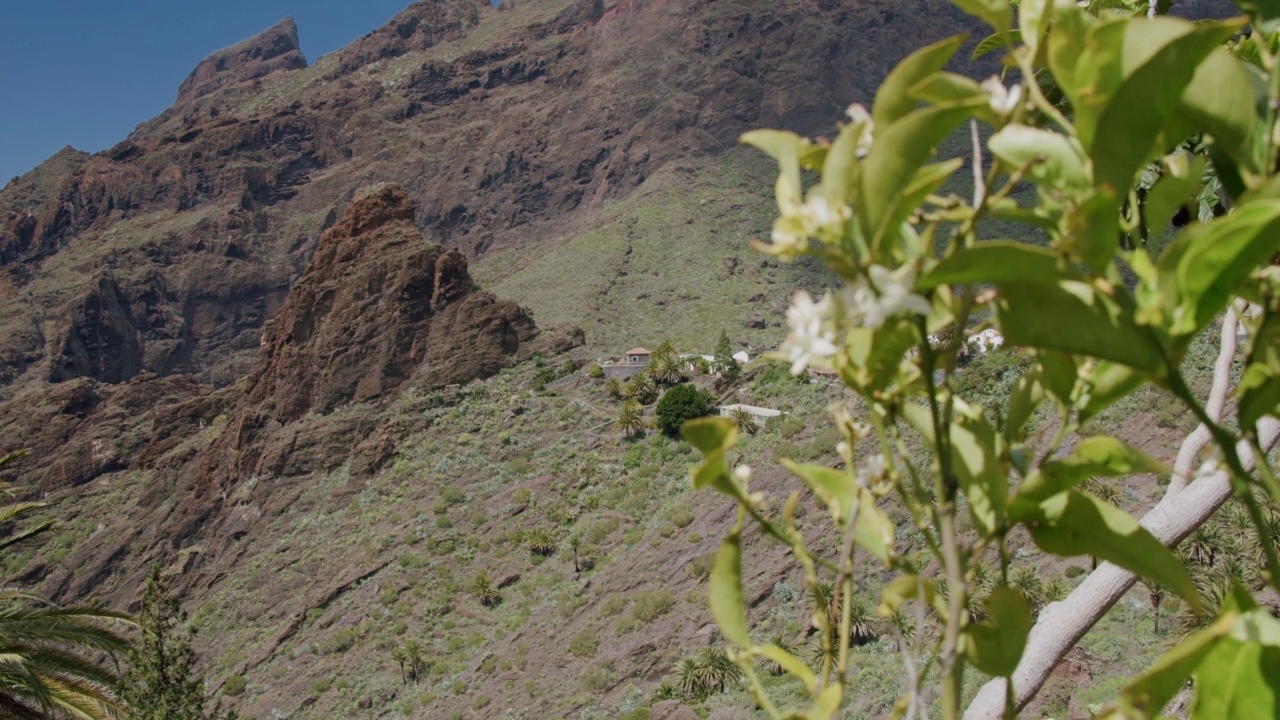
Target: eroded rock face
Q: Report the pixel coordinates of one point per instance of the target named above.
(275, 48)
(378, 306)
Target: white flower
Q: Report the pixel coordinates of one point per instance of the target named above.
(809, 340)
(1003, 100)
(786, 242)
(742, 474)
(859, 115)
(875, 470)
(887, 295)
(819, 217)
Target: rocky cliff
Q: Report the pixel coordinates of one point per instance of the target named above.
(275, 49)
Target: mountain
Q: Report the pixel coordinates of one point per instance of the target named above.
(286, 339)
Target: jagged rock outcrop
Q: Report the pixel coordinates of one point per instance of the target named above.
(378, 306)
(273, 49)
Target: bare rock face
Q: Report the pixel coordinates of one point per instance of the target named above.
(275, 48)
(379, 306)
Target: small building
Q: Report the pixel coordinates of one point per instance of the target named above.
(638, 356)
(826, 374)
(986, 341)
(759, 413)
(742, 357)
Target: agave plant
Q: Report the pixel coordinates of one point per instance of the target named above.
(540, 542)
(1026, 579)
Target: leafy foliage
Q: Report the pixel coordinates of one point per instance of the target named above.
(678, 405)
(1121, 122)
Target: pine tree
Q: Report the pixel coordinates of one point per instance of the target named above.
(161, 683)
(724, 362)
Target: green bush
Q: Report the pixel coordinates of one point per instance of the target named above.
(680, 516)
(652, 604)
(235, 686)
(681, 403)
(584, 645)
(594, 371)
(594, 679)
(452, 495)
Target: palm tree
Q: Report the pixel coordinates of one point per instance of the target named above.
(773, 667)
(665, 369)
(44, 673)
(666, 349)
(616, 388)
(485, 591)
(745, 420)
(642, 389)
(630, 422)
(540, 542)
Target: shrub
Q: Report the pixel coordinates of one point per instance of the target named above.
(602, 530)
(594, 371)
(594, 679)
(679, 404)
(235, 686)
(700, 566)
(652, 605)
(452, 495)
(680, 516)
(584, 645)
(613, 605)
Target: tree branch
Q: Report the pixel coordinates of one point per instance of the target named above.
(1200, 437)
(1062, 624)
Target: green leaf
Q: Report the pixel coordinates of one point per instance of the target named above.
(1077, 523)
(900, 148)
(1148, 694)
(975, 451)
(727, 606)
(997, 41)
(893, 99)
(996, 13)
(906, 588)
(1222, 100)
(1203, 266)
(838, 491)
(997, 261)
(1056, 161)
(1027, 395)
(944, 87)
(1093, 230)
(709, 434)
(1161, 56)
(786, 148)
(1111, 382)
(790, 663)
(1099, 456)
(1075, 317)
(1259, 394)
(714, 473)
(1033, 22)
(1238, 681)
(996, 647)
(834, 488)
(828, 702)
(1181, 180)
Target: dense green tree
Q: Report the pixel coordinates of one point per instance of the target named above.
(50, 654)
(724, 363)
(161, 683)
(680, 403)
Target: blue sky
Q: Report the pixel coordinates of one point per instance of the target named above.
(85, 72)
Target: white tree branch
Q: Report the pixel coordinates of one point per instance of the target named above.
(1200, 437)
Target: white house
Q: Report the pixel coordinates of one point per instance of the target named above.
(742, 357)
(759, 413)
(986, 341)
